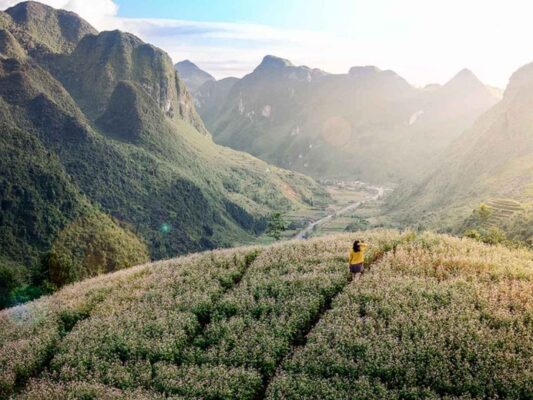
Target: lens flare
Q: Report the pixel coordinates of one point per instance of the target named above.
(165, 228)
(336, 131)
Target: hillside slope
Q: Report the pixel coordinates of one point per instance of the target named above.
(493, 159)
(43, 212)
(120, 125)
(434, 317)
(368, 124)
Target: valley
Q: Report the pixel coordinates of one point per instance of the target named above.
(348, 197)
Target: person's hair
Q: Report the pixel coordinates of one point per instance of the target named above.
(356, 246)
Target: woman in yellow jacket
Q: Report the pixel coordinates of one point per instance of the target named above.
(357, 258)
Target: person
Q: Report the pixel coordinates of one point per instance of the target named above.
(357, 259)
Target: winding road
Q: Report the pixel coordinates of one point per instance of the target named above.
(378, 192)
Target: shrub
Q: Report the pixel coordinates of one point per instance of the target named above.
(276, 225)
(12, 275)
(92, 245)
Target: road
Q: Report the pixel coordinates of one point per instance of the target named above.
(377, 194)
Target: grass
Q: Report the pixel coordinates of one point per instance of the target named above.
(434, 317)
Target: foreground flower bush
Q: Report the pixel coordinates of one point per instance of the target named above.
(433, 317)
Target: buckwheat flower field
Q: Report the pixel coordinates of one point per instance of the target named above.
(433, 317)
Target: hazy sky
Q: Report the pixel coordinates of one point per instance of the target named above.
(423, 40)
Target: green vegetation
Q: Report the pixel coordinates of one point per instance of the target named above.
(276, 225)
(434, 317)
(500, 221)
(43, 212)
(360, 224)
(520, 227)
(59, 30)
(103, 155)
(89, 246)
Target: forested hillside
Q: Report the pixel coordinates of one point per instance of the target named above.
(100, 126)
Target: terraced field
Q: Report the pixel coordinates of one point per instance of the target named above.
(434, 317)
(503, 210)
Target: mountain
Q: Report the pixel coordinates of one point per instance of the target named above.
(192, 76)
(369, 124)
(492, 159)
(59, 30)
(210, 97)
(113, 126)
(434, 317)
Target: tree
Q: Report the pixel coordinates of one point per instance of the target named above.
(483, 212)
(276, 224)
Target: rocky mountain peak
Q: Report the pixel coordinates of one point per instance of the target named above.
(272, 62)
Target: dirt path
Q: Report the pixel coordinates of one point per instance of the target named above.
(377, 194)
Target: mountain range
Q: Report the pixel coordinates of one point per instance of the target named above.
(446, 148)
(101, 137)
(369, 123)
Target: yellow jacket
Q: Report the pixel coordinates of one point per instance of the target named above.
(358, 257)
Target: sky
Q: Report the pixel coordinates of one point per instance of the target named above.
(425, 41)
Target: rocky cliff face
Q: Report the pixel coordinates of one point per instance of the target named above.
(101, 61)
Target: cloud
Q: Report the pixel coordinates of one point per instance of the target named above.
(236, 48)
(99, 13)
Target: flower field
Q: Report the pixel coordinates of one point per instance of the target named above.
(438, 318)
(434, 317)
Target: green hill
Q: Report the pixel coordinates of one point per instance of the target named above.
(119, 132)
(43, 212)
(434, 317)
(367, 124)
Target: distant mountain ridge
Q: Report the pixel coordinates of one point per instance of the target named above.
(368, 124)
(192, 76)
